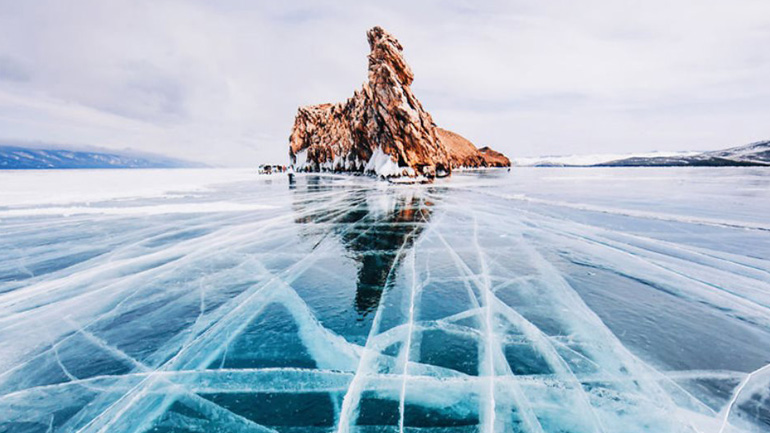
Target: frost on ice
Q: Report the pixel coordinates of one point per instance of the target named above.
(342, 305)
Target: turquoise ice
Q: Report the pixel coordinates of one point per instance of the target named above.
(540, 300)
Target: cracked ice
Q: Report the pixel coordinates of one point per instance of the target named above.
(541, 300)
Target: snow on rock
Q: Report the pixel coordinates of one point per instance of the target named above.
(383, 165)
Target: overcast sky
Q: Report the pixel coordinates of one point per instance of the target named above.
(220, 81)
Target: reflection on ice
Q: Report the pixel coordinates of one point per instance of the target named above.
(346, 305)
(373, 231)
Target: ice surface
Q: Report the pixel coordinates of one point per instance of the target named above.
(540, 300)
(46, 187)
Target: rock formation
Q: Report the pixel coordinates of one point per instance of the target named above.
(493, 158)
(462, 153)
(383, 129)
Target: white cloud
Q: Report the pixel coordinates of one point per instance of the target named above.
(220, 81)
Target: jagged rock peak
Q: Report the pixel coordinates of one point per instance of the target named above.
(387, 52)
(383, 129)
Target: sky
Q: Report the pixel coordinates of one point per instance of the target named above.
(220, 82)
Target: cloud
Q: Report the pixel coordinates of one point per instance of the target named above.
(11, 70)
(220, 81)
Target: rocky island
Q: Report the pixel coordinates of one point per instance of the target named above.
(383, 129)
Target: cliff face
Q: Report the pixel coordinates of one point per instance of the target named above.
(383, 129)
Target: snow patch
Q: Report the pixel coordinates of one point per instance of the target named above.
(179, 208)
(300, 159)
(382, 165)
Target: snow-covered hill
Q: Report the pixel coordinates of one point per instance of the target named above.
(17, 157)
(756, 154)
(589, 160)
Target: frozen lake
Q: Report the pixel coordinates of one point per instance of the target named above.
(540, 300)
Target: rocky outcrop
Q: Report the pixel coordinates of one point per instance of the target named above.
(493, 158)
(383, 129)
(462, 153)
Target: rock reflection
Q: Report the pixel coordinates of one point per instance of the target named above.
(375, 225)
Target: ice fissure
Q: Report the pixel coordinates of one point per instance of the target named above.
(353, 306)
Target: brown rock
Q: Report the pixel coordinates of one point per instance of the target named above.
(493, 158)
(462, 153)
(383, 129)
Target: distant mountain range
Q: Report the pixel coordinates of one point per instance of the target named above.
(754, 154)
(18, 157)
